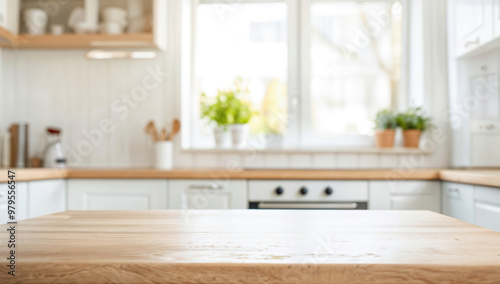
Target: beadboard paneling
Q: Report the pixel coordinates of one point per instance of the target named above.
(62, 88)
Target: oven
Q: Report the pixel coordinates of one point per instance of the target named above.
(309, 194)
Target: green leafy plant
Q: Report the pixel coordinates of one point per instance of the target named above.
(226, 107)
(414, 119)
(386, 119)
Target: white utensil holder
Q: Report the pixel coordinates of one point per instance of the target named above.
(163, 155)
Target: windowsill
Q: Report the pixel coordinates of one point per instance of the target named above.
(336, 150)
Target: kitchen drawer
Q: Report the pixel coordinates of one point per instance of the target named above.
(487, 207)
(208, 194)
(265, 190)
(117, 194)
(405, 195)
(458, 201)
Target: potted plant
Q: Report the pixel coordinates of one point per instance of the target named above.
(385, 128)
(227, 111)
(413, 123)
(215, 111)
(238, 114)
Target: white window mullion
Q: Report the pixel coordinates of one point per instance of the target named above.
(305, 71)
(294, 75)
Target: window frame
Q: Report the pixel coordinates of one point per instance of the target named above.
(298, 74)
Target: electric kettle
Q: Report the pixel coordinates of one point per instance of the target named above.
(54, 153)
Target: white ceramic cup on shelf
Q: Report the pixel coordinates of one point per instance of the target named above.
(35, 21)
(163, 155)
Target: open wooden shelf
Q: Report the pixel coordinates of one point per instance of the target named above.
(86, 41)
(7, 39)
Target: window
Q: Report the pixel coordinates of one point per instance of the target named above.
(315, 74)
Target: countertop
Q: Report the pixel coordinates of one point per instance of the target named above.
(479, 177)
(252, 246)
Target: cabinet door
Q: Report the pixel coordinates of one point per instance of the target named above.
(496, 17)
(473, 23)
(208, 194)
(9, 15)
(46, 197)
(119, 194)
(458, 201)
(405, 195)
(487, 207)
(21, 202)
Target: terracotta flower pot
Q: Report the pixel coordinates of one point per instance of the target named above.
(411, 138)
(385, 138)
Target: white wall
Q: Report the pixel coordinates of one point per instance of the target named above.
(62, 88)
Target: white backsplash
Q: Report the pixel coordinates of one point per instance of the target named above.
(61, 88)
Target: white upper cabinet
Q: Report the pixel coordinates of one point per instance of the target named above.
(405, 195)
(208, 194)
(458, 201)
(9, 15)
(496, 17)
(473, 24)
(487, 207)
(117, 194)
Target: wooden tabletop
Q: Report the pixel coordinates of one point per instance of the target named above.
(253, 246)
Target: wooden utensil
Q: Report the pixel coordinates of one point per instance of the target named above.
(151, 130)
(176, 127)
(163, 134)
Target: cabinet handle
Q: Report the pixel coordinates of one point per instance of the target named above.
(471, 42)
(213, 186)
(453, 190)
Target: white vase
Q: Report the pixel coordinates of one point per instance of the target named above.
(238, 134)
(220, 136)
(163, 155)
(35, 21)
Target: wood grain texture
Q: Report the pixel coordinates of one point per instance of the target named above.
(257, 174)
(84, 41)
(34, 174)
(247, 246)
(479, 177)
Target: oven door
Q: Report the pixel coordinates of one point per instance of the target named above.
(310, 205)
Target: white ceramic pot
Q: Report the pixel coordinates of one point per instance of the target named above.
(115, 15)
(111, 28)
(238, 134)
(163, 155)
(274, 141)
(35, 21)
(220, 136)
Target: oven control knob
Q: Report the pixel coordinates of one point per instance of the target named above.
(303, 190)
(328, 191)
(279, 190)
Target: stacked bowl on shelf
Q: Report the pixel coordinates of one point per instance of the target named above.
(114, 21)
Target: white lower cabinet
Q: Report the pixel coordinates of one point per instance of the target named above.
(21, 201)
(117, 194)
(208, 194)
(46, 197)
(34, 199)
(458, 201)
(405, 195)
(487, 207)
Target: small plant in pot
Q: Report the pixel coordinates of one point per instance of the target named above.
(413, 123)
(227, 111)
(385, 128)
(215, 111)
(239, 115)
